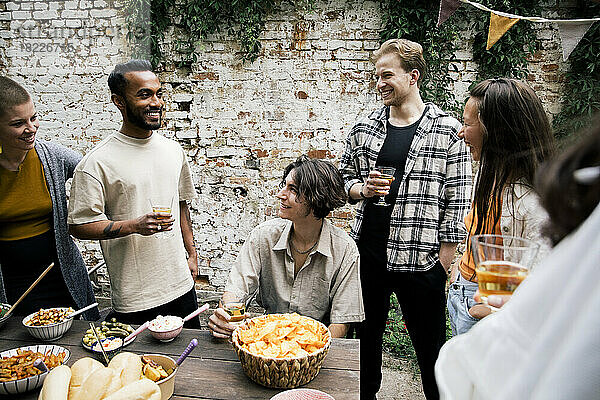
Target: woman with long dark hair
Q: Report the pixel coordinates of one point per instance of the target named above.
(544, 343)
(508, 132)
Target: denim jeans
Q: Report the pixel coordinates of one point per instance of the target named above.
(460, 300)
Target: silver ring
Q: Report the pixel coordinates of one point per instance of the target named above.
(158, 227)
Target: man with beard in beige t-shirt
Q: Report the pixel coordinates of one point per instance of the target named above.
(150, 256)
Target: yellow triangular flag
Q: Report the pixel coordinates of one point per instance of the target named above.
(498, 27)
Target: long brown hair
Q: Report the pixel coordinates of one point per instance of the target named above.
(517, 138)
(567, 197)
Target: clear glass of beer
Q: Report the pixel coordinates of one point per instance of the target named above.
(502, 262)
(387, 173)
(162, 204)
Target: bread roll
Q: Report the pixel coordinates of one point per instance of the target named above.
(129, 366)
(114, 384)
(143, 389)
(80, 370)
(95, 385)
(56, 384)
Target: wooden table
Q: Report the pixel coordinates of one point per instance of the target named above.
(213, 370)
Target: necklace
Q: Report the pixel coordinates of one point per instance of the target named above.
(303, 252)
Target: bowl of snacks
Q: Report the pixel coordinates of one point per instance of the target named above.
(162, 370)
(165, 328)
(302, 394)
(3, 310)
(281, 350)
(112, 336)
(18, 375)
(49, 324)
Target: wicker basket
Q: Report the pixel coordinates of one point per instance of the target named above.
(282, 373)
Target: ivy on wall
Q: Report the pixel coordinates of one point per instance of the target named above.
(581, 98)
(193, 20)
(508, 57)
(416, 20)
(149, 20)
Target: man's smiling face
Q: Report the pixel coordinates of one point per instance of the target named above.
(143, 100)
(393, 82)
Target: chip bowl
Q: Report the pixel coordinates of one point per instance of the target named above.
(33, 382)
(51, 332)
(281, 373)
(302, 394)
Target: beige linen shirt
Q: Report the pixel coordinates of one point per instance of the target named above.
(326, 287)
(116, 181)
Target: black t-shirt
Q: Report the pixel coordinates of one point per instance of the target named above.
(394, 152)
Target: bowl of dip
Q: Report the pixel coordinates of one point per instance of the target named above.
(165, 328)
(112, 346)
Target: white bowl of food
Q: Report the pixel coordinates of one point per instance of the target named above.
(25, 379)
(165, 328)
(160, 369)
(49, 324)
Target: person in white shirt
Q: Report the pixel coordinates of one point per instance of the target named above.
(544, 342)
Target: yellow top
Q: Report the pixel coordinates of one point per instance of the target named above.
(25, 203)
(467, 264)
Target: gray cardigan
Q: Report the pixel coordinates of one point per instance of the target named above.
(59, 163)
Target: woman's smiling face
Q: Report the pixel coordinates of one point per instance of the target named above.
(18, 127)
(472, 132)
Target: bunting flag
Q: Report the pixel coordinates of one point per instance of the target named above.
(571, 30)
(498, 27)
(570, 35)
(447, 8)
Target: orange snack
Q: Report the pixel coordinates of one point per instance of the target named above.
(21, 365)
(283, 336)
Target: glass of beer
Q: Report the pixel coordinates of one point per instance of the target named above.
(162, 204)
(501, 262)
(387, 174)
(237, 311)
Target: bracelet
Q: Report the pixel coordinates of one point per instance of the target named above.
(361, 190)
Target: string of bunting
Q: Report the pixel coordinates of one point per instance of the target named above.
(571, 30)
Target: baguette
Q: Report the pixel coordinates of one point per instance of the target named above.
(56, 384)
(80, 371)
(143, 389)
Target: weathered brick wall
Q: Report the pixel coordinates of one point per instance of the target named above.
(240, 123)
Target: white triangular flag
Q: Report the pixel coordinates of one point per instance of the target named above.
(570, 35)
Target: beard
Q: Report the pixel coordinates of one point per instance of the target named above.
(137, 118)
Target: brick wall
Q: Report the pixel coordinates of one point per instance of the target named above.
(240, 123)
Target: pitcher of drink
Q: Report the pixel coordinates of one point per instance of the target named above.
(501, 262)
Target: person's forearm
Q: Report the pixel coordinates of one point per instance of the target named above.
(186, 230)
(447, 251)
(355, 190)
(338, 330)
(101, 230)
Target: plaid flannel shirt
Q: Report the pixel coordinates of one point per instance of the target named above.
(435, 191)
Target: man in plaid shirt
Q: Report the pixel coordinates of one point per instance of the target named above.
(406, 247)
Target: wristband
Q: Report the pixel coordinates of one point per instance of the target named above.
(362, 195)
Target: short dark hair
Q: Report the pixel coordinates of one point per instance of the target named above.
(117, 81)
(567, 199)
(11, 94)
(319, 183)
